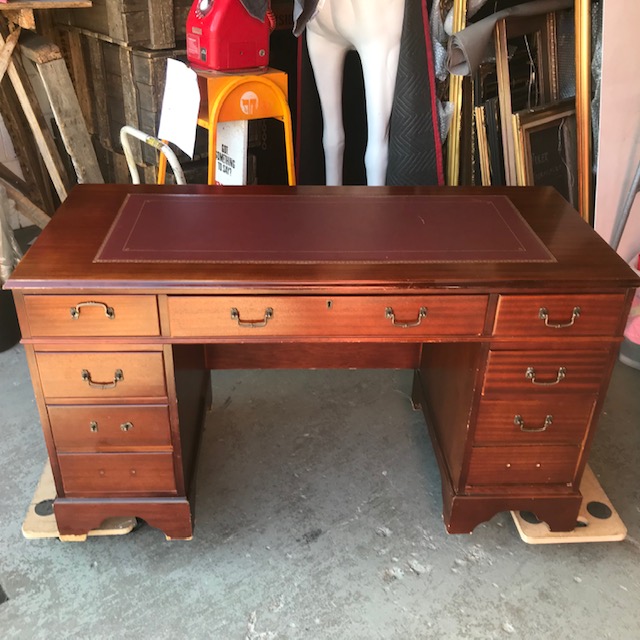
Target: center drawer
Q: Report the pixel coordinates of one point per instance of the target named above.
(348, 316)
(102, 374)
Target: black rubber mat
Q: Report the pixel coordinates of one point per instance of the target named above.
(415, 151)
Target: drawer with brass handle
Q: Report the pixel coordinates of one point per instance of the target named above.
(401, 317)
(107, 474)
(101, 375)
(559, 315)
(96, 428)
(92, 315)
(535, 464)
(531, 372)
(550, 420)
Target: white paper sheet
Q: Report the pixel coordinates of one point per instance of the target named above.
(180, 105)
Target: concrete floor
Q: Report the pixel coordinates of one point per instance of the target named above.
(318, 517)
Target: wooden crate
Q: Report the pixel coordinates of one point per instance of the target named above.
(123, 86)
(153, 24)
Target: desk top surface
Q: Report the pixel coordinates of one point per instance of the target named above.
(252, 239)
(278, 229)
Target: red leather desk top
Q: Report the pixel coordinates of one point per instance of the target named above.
(311, 229)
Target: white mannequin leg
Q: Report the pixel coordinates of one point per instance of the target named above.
(374, 29)
(380, 68)
(327, 59)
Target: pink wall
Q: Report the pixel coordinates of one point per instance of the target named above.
(619, 153)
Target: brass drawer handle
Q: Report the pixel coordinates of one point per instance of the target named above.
(93, 426)
(543, 314)
(268, 314)
(530, 374)
(126, 426)
(118, 376)
(108, 311)
(519, 422)
(390, 315)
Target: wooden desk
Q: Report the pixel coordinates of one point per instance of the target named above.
(510, 317)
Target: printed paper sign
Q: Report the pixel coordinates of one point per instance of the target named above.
(180, 105)
(231, 152)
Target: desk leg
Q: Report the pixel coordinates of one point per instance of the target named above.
(463, 513)
(75, 517)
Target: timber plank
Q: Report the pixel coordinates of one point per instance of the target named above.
(73, 45)
(64, 104)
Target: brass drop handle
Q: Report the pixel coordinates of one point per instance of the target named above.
(126, 426)
(543, 314)
(253, 324)
(108, 311)
(390, 315)
(118, 376)
(530, 374)
(519, 422)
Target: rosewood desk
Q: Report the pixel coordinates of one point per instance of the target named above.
(508, 307)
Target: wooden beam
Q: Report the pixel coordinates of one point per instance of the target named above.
(37, 49)
(100, 109)
(73, 44)
(44, 4)
(21, 17)
(35, 173)
(35, 117)
(25, 206)
(8, 176)
(7, 51)
(65, 106)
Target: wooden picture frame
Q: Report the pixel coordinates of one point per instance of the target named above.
(542, 30)
(455, 98)
(483, 146)
(546, 149)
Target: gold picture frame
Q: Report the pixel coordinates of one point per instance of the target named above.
(546, 149)
(582, 21)
(483, 146)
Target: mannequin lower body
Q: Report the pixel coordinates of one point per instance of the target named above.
(330, 35)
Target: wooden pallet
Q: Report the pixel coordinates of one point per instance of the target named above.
(40, 521)
(599, 521)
